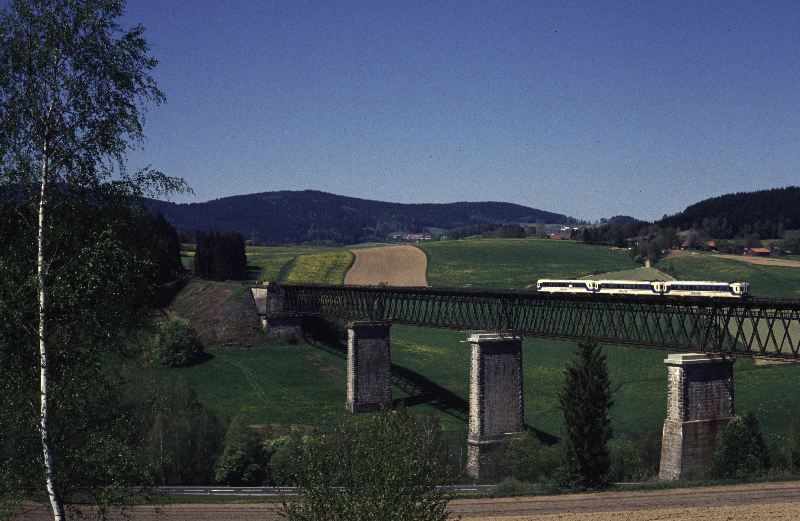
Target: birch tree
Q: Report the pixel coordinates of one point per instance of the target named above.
(73, 88)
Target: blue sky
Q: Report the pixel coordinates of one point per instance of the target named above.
(587, 108)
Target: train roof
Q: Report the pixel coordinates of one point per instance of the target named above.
(625, 281)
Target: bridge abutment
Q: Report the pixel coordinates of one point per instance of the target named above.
(269, 299)
(368, 366)
(495, 401)
(699, 405)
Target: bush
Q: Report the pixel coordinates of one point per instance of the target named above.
(740, 451)
(242, 461)
(514, 487)
(282, 455)
(528, 459)
(177, 344)
(387, 466)
(794, 445)
(635, 458)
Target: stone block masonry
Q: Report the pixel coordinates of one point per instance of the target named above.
(368, 366)
(699, 405)
(496, 404)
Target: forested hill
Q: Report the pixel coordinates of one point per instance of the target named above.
(292, 217)
(765, 212)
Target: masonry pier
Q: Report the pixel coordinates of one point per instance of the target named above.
(495, 400)
(699, 405)
(368, 366)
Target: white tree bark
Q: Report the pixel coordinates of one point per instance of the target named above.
(44, 423)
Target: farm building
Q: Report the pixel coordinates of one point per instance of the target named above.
(757, 252)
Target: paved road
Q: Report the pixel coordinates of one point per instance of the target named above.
(286, 491)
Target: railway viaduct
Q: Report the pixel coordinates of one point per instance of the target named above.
(707, 335)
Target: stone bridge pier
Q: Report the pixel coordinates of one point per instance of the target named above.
(368, 366)
(699, 405)
(495, 400)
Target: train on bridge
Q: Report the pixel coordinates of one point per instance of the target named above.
(675, 288)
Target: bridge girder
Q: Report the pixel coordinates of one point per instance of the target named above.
(749, 327)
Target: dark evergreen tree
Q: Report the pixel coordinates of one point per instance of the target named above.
(220, 256)
(585, 401)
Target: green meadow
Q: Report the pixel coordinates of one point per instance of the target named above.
(303, 384)
(516, 263)
(765, 281)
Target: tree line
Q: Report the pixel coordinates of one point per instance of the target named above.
(220, 256)
(765, 213)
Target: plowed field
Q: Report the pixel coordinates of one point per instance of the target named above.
(402, 265)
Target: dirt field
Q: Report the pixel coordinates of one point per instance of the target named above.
(402, 265)
(749, 502)
(762, 261)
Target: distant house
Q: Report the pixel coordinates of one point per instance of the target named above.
(757, 252)
(410, 237)
(560, 236)
(711, 245)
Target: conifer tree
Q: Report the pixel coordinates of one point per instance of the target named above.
(585, 401)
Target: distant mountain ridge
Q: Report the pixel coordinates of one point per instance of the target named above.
(763, 212)
(309, 215)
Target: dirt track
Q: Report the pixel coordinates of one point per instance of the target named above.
(761, 261)
(402, 265)
(750, 502)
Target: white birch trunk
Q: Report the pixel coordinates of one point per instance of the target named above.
(55, 501)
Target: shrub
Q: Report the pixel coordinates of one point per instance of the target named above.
(177, 344)
(528, 459)
(635, 458)
(794, 445)
(740, 451)
(242, 461)
(282, 455)
(382, 467)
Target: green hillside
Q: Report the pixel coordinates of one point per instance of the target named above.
(516, 263)
(765, 281)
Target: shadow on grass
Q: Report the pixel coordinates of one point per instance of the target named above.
(329, 336)
(201, 359)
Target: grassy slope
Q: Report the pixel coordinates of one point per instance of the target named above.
(765, 281)
(299, 264)
(301, 384)
(269, 384)
(516, 263)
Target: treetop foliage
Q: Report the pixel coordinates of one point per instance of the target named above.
(74, 80)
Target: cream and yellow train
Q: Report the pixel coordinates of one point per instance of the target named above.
(676, 288)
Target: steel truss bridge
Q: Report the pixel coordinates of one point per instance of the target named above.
(741, 327)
